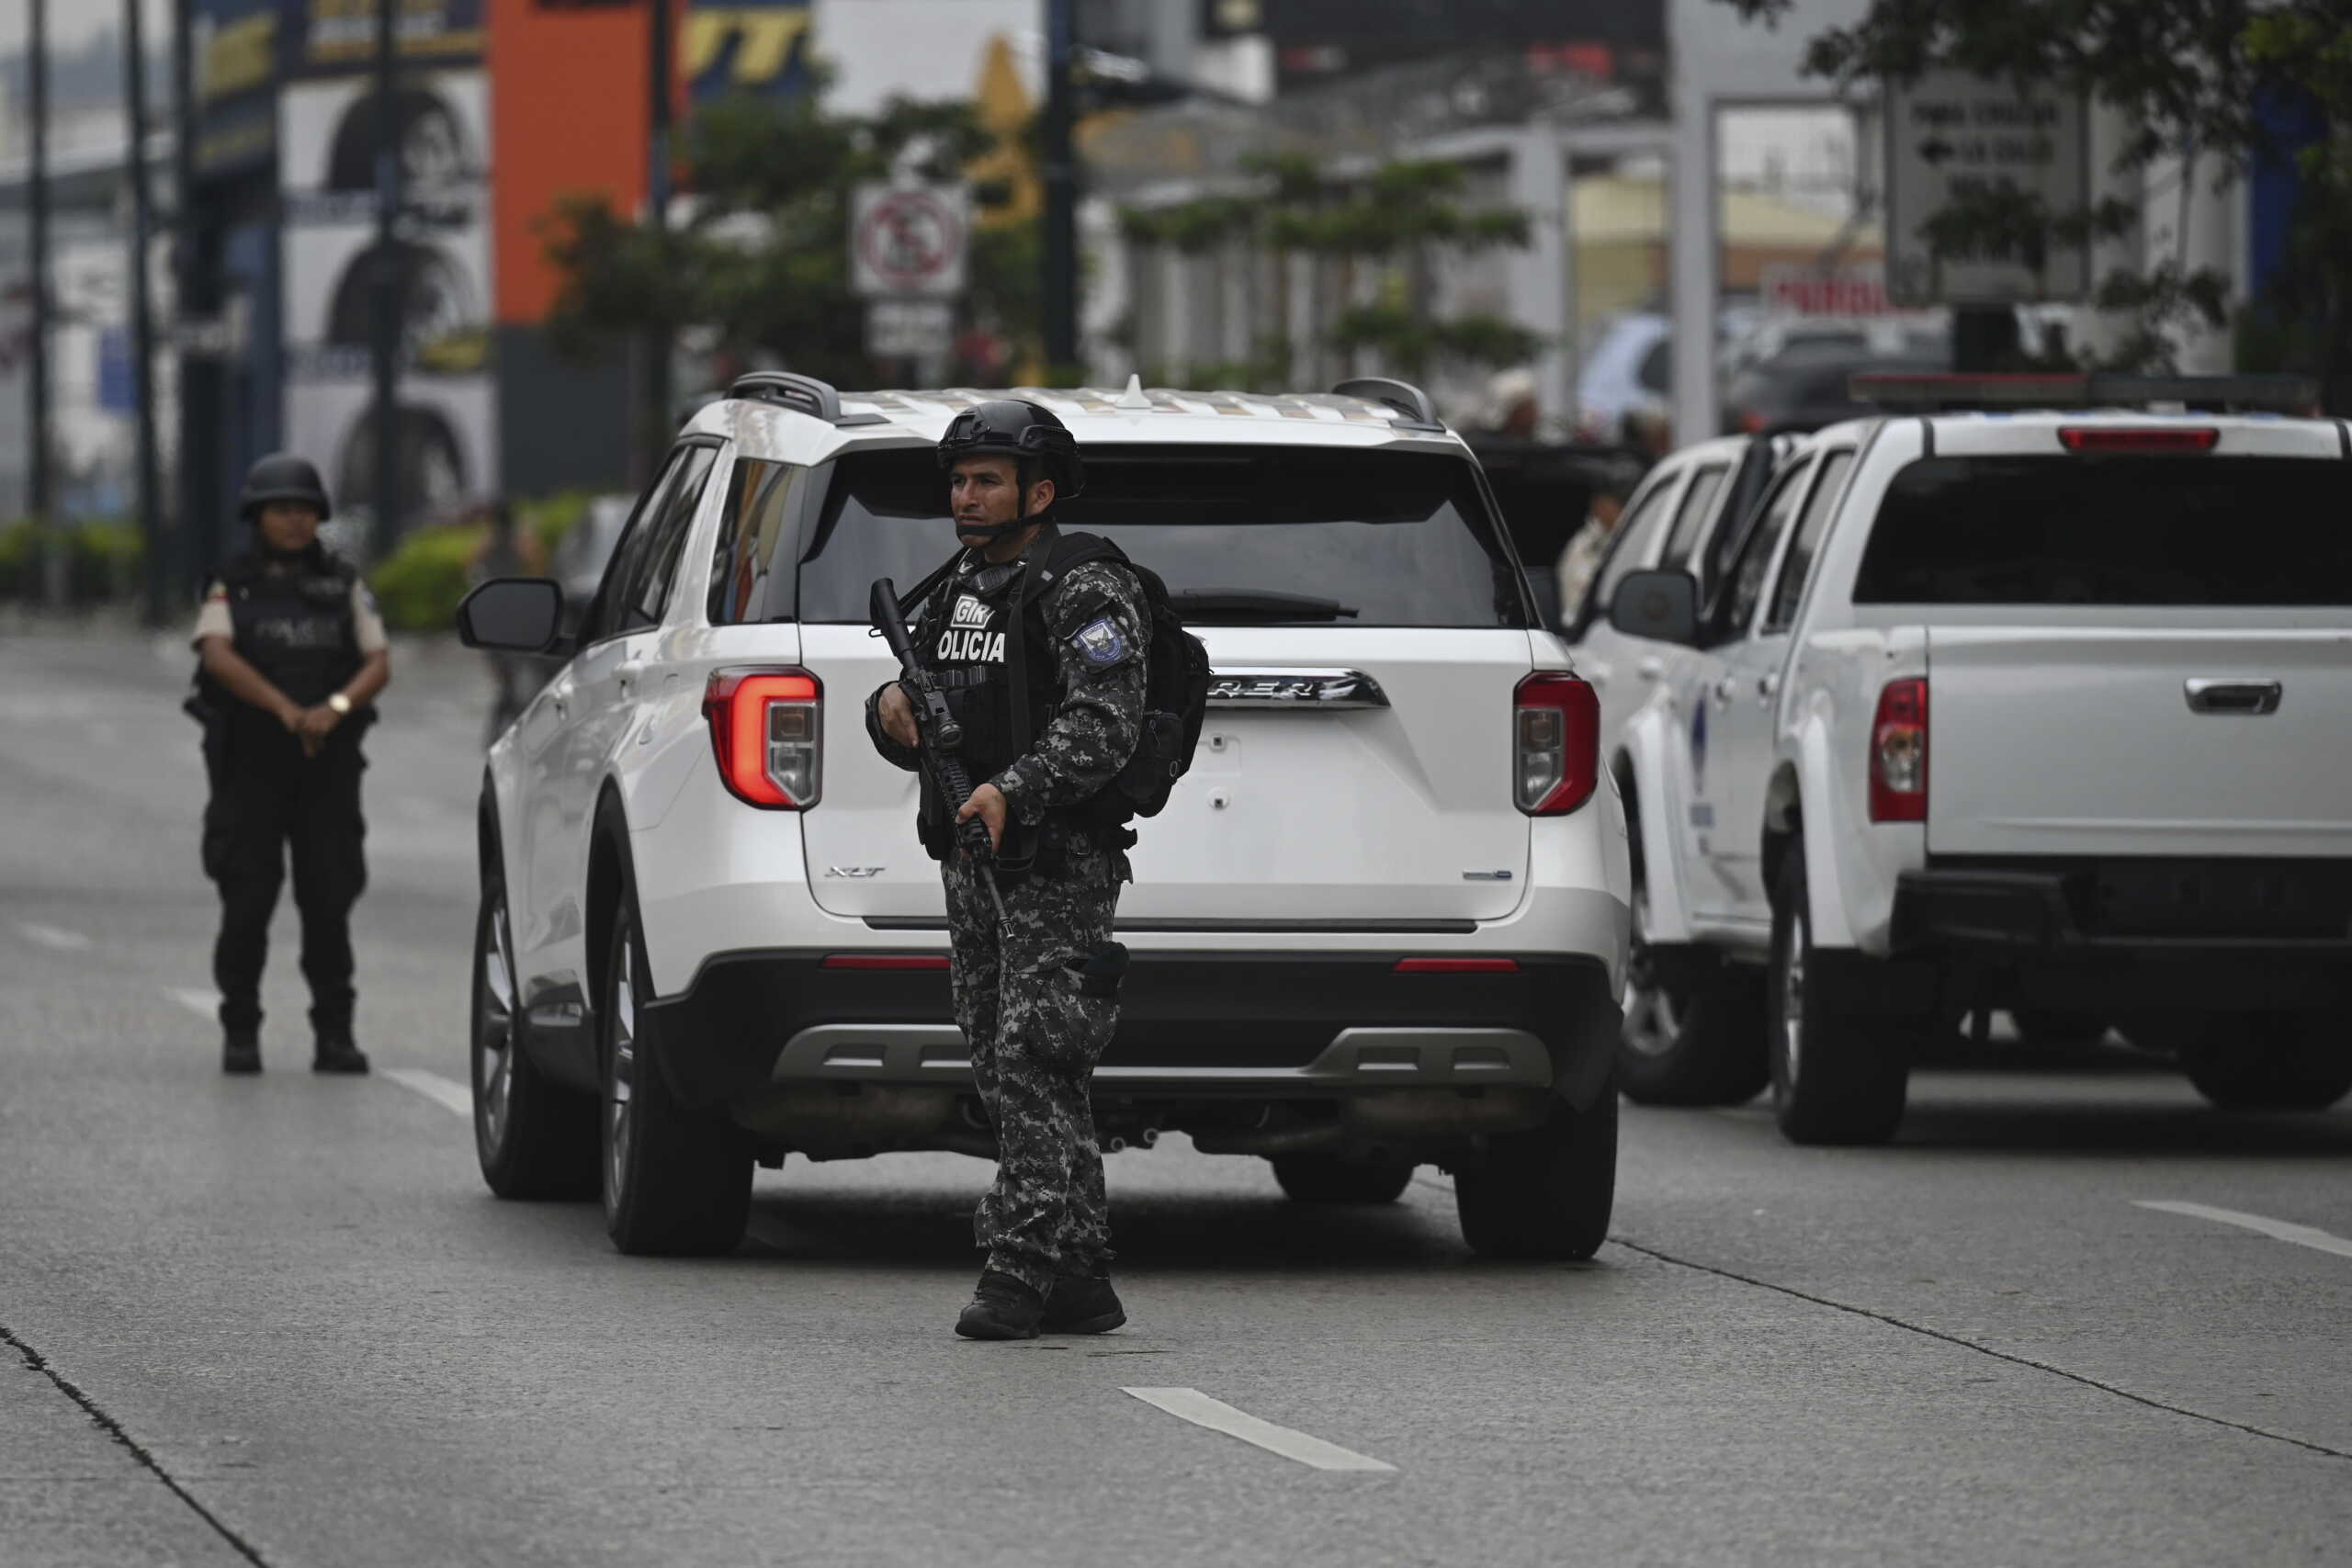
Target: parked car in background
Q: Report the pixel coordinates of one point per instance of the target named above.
(1983, 716)
(1807, 385)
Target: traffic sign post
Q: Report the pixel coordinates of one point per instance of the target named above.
(1951, 135)
(909, 241)
(909, 329)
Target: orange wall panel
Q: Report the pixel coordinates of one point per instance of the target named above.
(568, 115)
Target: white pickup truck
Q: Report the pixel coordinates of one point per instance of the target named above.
(2043, 711)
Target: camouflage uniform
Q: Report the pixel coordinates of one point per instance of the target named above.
(1035, 1038)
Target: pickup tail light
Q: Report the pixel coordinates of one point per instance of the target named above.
(767, 730)
(1899, 753)
(1555, 743)
(2091, 438)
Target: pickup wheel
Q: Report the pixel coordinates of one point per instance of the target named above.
(1546, 1192)
(1694, 1025)
(1837, 1077)
(677, 1182)
(1327, 1179)
(2270, 1061)
(534, 1137)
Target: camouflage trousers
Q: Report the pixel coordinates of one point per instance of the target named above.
(1035, 1041)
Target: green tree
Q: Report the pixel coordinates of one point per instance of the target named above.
(761, 258)
(2195, 78)
(1396, 224)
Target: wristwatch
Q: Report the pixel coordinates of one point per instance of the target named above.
(341, 703)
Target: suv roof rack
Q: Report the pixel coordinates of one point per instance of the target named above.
(802, 394)
(1407, 399)
(1909, 392)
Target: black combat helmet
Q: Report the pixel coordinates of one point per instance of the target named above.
(1022, 430)
(282, 476)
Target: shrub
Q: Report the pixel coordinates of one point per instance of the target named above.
(419, 584)
(103, 559)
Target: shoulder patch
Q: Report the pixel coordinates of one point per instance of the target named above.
(366, 597)
(1100, 643)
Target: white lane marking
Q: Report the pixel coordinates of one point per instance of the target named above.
(55, 937)
(1191, 1404)
(449, 1093)
(205, 1004)
(2278, 1230)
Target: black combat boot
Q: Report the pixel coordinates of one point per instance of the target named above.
(1083, 1303)
(240, 1052)
(337, 1053)
(1001, 1308)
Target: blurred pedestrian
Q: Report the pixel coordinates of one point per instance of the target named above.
(507, 551)
(1580, 562)
(291, 656)
(1513, 407)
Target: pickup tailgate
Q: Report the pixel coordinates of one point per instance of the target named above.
(2121, 742)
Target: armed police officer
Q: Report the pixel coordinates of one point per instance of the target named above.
(1040, 641)
(292, 655)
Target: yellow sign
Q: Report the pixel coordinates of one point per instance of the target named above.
(238, 56)
(770, 37)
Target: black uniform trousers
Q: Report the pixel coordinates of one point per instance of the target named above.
(271, 804)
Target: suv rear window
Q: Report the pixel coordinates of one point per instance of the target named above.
(1399, 540)
(2113, 530)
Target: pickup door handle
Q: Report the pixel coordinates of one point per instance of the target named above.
(1767, 685)
(1724, 689)
(628, 669)
(2233, 696)
(1651, 669)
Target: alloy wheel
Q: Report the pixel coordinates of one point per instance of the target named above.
(1793, 999)
(494, 1059)
(1653, 1021)
(621, 1076)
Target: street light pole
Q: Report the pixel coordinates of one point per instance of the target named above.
(1061, 191)
(659, 71)
(385, 347)
(151, 521)
(36, 475)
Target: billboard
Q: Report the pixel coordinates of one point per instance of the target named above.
(440, 260)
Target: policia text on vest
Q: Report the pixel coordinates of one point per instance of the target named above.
(292, 656)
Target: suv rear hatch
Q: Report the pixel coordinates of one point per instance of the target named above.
(2129, 653)
(1369, 632)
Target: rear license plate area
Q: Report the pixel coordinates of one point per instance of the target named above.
(2310, 899)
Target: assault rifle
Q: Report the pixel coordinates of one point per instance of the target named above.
(942, 737)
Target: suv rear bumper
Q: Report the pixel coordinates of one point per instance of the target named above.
(1192, 1024)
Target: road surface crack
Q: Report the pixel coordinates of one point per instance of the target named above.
(1982, 1349)
(138, 1451)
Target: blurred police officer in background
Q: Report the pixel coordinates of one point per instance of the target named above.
(292, 655)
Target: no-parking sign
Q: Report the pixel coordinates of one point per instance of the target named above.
(909, 241)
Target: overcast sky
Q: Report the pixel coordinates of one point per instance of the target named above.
(73, 22)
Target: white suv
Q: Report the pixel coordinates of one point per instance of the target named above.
(1382, 921)
(2044, 711)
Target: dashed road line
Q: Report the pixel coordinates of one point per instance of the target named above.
(205, 1004)
(446, 1093)
(2278, 1230)
(1191, 1404)
(55, 938)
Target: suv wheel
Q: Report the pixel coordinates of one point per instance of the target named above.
(2269, 1061)
(1836, 1078)
(1546, 1192)
(1694, 1025)
(1328, 1179)
(534, 1138)
(677, 1182)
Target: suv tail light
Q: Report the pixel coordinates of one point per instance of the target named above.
(1899, 753)
(766, 728)
(1555, 743)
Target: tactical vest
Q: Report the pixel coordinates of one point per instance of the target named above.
(296, 628)
(964, 635)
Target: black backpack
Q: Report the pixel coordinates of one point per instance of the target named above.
(1176, 679)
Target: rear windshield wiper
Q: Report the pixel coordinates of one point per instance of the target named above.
(1242, 603)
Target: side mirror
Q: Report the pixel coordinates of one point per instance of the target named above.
(512, 614)
(1662, 607)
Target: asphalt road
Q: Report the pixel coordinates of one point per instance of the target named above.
(280, 1321)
